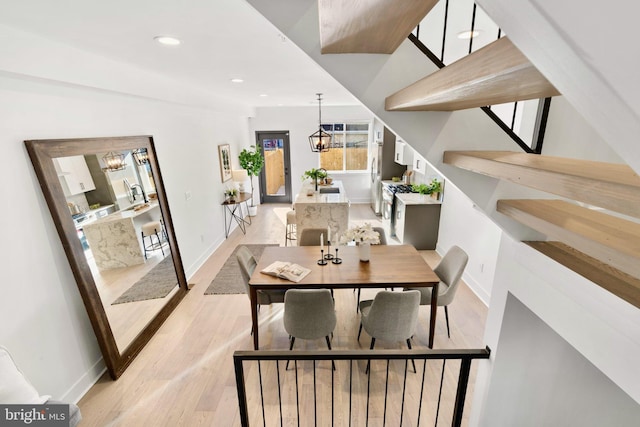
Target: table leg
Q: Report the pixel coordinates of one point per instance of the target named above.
(434, 311)
(246, 205)
(238, 218)
(253, 296)
(226, 226)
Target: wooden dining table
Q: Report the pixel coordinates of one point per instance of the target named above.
(388, 266)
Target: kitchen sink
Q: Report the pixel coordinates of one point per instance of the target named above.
(329, 190)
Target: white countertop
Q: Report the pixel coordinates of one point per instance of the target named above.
(129, 212)
(317, 197)
(417, 199)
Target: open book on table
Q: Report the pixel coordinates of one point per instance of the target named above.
(286, 270)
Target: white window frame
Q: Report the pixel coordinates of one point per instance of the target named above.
(344, 132)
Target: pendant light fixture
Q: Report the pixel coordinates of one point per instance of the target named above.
(140, 156)
(320, 140)
(114, 161)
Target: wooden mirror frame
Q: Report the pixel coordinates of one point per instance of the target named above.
(42, 153)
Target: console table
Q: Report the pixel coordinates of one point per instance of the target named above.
(233, 209)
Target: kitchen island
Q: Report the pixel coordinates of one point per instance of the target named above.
(115, 240)
(326, 208)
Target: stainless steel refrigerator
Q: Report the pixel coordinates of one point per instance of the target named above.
(383, 167)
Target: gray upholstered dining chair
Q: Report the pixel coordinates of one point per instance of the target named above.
(449, 270)
(309, 314)
(383, 241)
(311, 236)
(247, 263)
(390, 316)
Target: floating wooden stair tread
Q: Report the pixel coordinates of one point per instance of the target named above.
(495, 74)
(368, 26)
(607, 277)
(612, 186)
(612, 240)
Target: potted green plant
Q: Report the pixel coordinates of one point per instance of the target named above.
(231, 194)
(420, 188)
(252, 161)
(315, 175)
(435, 188)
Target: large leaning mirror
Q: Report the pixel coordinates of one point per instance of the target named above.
(108, 203)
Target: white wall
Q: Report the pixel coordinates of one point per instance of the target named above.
(45, 325)
(463, 224)
(530, 348)
(600, 326)
(302, 122)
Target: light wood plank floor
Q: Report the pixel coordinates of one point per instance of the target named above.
(185, 376)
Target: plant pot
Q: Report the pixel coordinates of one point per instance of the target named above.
(253, 210)
(364, 251)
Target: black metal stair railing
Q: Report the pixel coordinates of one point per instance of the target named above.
(542, 113)
(388, 393)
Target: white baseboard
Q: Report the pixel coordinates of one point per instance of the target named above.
(195, 266)
(86, 381)
(476, 289)
(470, 281)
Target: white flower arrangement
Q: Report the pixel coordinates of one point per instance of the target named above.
(361, 234)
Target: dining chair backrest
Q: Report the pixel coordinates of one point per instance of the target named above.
(311, 236)
(247, 263)
(450, 270)
(383, 236)
(393, 315)
(309, 313)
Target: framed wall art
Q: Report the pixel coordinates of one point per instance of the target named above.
(224, 153)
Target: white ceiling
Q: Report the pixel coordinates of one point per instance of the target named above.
(221, 40)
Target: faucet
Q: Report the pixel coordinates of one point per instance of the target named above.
(135, 192)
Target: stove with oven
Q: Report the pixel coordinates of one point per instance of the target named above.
(389, 191)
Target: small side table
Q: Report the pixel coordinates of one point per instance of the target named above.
(235, 212)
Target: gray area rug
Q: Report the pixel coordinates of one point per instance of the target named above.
(229, 280)
(157, 283)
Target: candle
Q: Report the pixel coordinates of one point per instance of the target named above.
(321, 239)
(328, 236)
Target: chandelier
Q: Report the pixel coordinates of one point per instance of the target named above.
(140, 155)
(114, 161)
(320, 140)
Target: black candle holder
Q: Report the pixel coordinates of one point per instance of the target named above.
(335, 259)
(329, 255)
(322, 261)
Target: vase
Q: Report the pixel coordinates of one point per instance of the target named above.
(364, 251)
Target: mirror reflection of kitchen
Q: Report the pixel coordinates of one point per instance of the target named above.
(112, 200)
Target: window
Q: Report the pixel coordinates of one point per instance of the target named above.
(349, 147)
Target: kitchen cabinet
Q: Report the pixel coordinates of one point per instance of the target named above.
(404, 153)
(74, 175)
(419, 164)
(417, 219)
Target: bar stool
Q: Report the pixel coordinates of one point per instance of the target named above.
(151, 229)
(290, 228)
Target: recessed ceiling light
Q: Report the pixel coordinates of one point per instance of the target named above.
(263, 95)
(237, 80)
(466, 35)
(167, 40)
